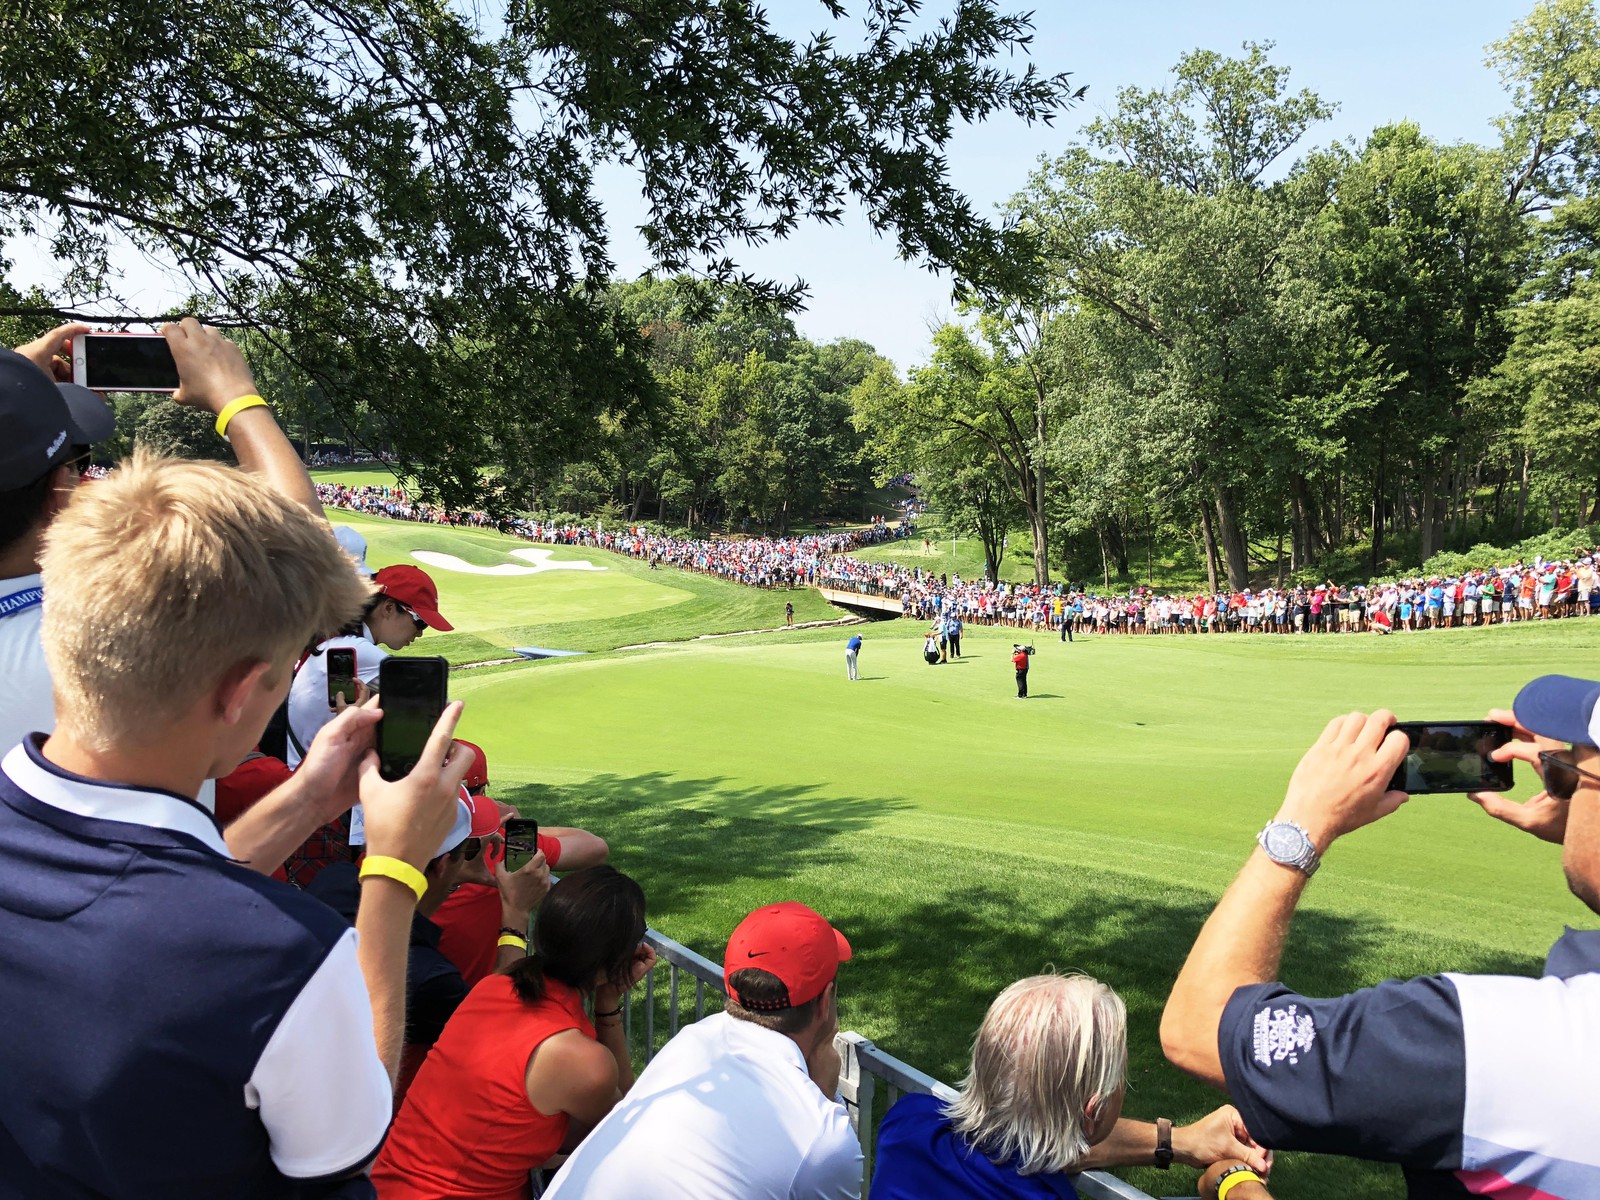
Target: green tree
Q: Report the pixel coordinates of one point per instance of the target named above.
(403, 194)
(1165, 221)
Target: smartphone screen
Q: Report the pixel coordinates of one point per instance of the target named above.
(341, 676)
(522, 843)
(1452, 757)
(124, 362)
(414, 692)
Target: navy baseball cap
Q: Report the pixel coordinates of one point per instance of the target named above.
(1562, 708)
(43, 421)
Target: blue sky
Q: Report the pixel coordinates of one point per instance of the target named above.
(1380, 62)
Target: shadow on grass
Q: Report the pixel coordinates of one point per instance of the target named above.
(938, 935)
(681, 852)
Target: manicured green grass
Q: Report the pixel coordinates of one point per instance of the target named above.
(625, 604)
(963, 838)
(357, 475)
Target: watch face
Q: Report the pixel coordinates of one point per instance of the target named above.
(1285, 842)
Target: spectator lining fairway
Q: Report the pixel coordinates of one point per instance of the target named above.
(964, 838)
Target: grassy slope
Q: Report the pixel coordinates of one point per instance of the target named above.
(963, 838)
(625, 604)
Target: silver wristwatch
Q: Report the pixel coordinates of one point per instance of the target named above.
(1286, 843)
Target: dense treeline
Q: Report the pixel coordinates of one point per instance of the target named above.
(1395, 340)
(753, 424)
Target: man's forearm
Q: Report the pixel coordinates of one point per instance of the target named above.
(1130, 1144)
(263, 449)
(1242, 942)
(265, 835)
(383, 922)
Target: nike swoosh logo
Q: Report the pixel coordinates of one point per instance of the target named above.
(757, 953)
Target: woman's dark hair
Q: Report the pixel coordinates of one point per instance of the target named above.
(354, 628)
(590, 924)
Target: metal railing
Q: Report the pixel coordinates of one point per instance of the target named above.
(864, 1067)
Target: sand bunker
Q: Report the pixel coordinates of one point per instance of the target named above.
(539, 560)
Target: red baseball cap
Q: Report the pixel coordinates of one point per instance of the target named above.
(791, 942)
(485, 814)
(414, 588)
(478, 776)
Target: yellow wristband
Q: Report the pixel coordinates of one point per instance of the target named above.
(1233, 1180)
(511, 939)
(233, 408)
(394, 868)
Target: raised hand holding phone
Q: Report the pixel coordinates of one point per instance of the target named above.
(414, 692)
(1343, 781)
(1540, 814)
(211, 369)
(407, 818)
(343, 684)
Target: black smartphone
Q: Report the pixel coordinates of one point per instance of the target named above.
(124, 362)
(341, 676)
(522, 843)
(414, 692)
(1452, 756)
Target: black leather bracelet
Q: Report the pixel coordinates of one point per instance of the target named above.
(615, 1012)
(1163, 1156)
(521, 933)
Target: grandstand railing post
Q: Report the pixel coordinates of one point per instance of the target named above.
(649, 1016)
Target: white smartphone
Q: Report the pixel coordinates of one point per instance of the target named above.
(123, 362)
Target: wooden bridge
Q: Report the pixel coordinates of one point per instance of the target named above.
(856, 600)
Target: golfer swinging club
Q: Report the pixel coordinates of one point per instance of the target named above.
(1019, 660)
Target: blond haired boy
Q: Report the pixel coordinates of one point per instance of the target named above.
(182, 1024)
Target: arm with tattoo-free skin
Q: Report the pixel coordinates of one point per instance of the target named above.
(212, 373)
(1217, 1135)
(1341, 784)
(405, 819)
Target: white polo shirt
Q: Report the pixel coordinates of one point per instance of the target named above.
(26, 700)
(308, 697)
(726, 1111)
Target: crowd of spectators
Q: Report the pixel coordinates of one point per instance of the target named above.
(1520, 591)
(765, 562)
(409, 1017)
(1540, 590)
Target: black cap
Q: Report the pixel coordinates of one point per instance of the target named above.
(43, 421)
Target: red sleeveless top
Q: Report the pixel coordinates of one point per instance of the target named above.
(466, 1128)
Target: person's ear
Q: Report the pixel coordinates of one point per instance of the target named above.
(1091, 1111)
(236, 687)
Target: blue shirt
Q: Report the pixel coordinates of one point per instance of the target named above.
(854, 643)
(920, 1157)
(1477, 1085)
(176, 1024)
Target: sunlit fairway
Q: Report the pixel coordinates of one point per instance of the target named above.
(963, 838)
(625, 604)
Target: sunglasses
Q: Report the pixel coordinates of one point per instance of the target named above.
(1561, 775)
(415, 620)
(468, 850)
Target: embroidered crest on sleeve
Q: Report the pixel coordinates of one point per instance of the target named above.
(1282, 1033)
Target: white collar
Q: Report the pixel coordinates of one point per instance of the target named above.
(20, 583)
(101, 801)
(750, 1038)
